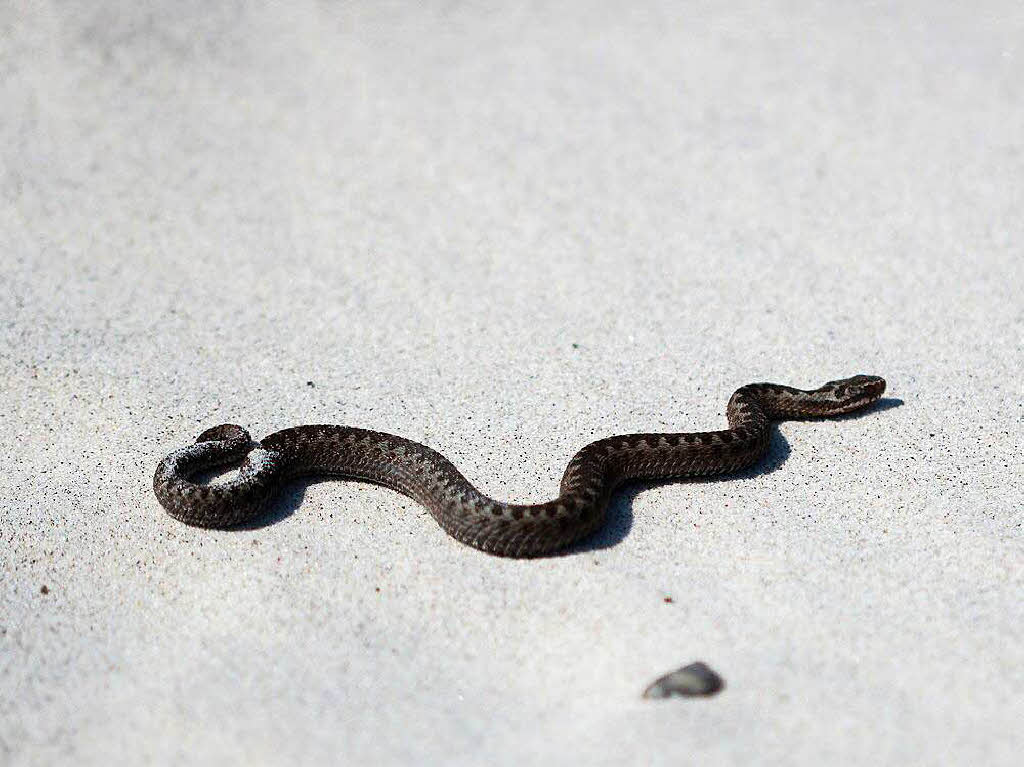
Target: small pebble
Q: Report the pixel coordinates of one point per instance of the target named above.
(44, 590)
(695, 679)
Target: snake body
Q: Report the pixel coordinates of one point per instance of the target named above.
(463, 511)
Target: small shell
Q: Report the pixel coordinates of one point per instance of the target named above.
(695, 679)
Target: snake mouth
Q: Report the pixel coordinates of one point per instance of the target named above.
(854, 405)
(875, 389)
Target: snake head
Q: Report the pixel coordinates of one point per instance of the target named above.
(849, 394)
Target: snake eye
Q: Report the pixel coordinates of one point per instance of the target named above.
(841, 391)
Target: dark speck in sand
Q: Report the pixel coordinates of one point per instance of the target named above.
(44, 590)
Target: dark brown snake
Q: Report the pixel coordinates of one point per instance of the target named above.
(464, 512)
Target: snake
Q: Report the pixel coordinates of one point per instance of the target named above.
(594, 473)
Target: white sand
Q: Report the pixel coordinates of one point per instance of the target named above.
(505, 233)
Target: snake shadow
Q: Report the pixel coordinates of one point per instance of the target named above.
(285, 504)
(619, 519)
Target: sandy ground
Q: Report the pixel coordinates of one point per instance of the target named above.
(505, 233)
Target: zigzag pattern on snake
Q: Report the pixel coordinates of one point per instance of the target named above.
(464, 512)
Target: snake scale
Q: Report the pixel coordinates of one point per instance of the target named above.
(464, 512)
